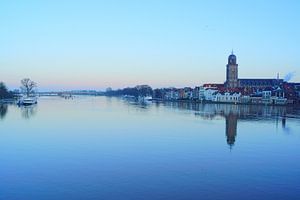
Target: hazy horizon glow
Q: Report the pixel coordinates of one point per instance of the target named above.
(97, 44)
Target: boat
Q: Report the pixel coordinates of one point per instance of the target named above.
(148, 98)
(26, 101)
(145, 100)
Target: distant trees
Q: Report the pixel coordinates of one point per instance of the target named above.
(140, 90)
(125, 91)
(4, 93)
(144, 90)
(158, 93)
(28, 86)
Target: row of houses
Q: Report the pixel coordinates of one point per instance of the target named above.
(278, 95)
(197, 94)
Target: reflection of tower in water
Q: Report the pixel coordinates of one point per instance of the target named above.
(231, 128)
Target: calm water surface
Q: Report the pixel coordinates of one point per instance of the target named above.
(107, 148)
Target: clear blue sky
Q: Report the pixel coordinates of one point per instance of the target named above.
(96, 44)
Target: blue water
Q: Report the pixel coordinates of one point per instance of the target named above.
(108, 148)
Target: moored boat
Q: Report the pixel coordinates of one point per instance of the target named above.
(145, 100)
(28, 101)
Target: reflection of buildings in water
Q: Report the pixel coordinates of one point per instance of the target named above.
(234, 113)
(3, 110)
(28, 111)
(243, 112)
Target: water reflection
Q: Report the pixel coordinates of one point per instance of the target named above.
(231, 128)
(231, 114)
(234, 113)
(3, 110)
(28, 111)
(144, 105)
(111, 145)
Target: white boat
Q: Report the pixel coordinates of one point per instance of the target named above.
(148, 98)
(28, 101)
(145, 100)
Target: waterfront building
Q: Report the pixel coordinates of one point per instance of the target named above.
(260, 83)
(181, 93)
(266, 97)
(227, 97)
(256, 99)
(209, 94)
(201, 93)
(188, 93)
(233, 81)
(196, 93)
(292, 92)
(171, 94)
(168, 95)
(214, 86)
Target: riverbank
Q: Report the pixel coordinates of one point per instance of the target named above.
(217, 102)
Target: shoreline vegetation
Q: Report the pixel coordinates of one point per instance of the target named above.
(27, 90)
(6, 96)
(227, 103)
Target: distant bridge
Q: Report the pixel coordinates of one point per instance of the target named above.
(84, 92)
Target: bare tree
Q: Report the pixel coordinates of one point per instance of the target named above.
(28, 86)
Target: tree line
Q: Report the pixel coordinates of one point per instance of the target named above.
(137, 91)
(4, 93)
(27, 87)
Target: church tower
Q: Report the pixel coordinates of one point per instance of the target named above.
(232, 72)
